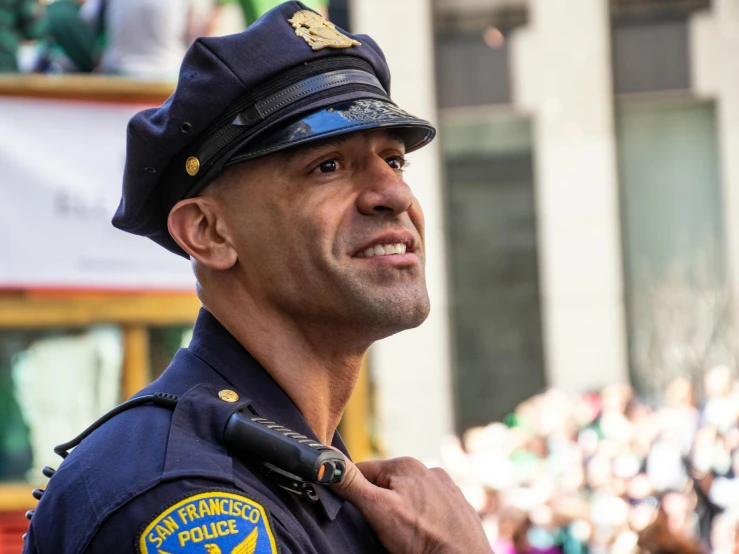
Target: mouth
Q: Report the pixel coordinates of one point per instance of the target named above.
(387, 246)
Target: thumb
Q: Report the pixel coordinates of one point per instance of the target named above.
(357, 484)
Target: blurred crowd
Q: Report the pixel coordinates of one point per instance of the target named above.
(609, 472)
(143, 39)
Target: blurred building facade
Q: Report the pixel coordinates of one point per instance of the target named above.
(582, 201)
(582, 209)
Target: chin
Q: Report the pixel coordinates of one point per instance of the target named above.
(388, 318)
(417, 315)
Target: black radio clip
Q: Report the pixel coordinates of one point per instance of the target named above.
(294, 461)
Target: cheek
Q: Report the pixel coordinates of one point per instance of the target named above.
(259, 229)
(255, 224)
(330, 222)
(297, 237)
(298, 228)
(416, 215)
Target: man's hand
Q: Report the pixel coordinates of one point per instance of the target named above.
(413, 510)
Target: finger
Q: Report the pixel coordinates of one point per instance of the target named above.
(354, 487)
(371, 470)
(442, 475)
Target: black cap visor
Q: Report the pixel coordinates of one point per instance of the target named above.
(339, 119)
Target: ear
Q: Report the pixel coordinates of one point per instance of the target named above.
(198, 226)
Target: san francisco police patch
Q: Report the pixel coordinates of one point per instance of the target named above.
(210, 523)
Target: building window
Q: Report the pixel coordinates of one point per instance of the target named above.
(677, 298)
(494, 295)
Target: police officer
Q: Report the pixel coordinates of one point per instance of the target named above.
(276, 168)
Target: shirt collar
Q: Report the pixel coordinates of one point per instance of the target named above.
(213, 344)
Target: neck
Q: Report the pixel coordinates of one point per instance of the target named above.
(314, 366)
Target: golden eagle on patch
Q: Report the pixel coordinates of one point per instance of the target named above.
(247, 546)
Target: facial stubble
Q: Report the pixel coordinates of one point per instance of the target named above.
(385, 301)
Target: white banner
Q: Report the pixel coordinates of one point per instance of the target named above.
(61, 167)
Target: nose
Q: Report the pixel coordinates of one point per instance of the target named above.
(384, 192)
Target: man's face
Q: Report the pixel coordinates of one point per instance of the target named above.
(331, 235)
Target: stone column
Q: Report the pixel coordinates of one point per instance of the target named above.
(714, 43)
(561, 75)
(412, 369)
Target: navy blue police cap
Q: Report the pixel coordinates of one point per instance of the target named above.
(291, 78)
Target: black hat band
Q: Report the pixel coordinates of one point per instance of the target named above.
(307, 88)
(312, 85)
(284, 96)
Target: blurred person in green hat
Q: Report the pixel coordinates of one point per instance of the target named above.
(79, 42)
(19, 20)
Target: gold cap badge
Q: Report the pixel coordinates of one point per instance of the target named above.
(228, 396)
(192, 166)
(318, 32)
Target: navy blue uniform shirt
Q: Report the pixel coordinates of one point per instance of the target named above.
(153, 480)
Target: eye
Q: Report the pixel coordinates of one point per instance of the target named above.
(329, 166)
(398, 163)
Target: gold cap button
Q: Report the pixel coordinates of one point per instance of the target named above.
(192, 166)
(228, 396)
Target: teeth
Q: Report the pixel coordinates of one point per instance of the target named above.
(384, 250)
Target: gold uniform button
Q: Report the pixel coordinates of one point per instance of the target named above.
(228, 396)
(192, 166)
